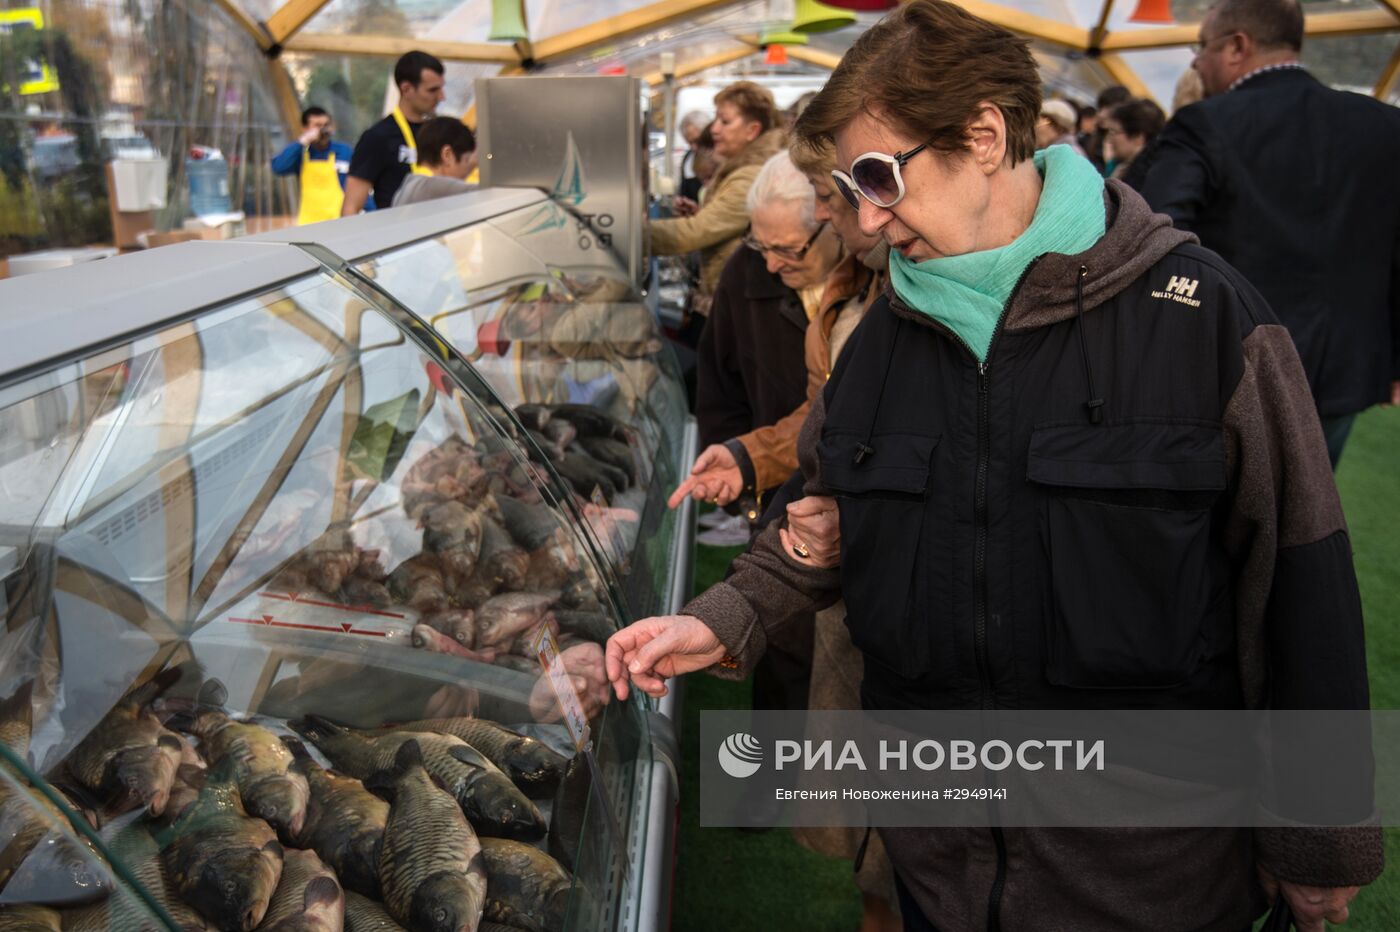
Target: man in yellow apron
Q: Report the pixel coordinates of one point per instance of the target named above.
(387, 152)
(320, 162)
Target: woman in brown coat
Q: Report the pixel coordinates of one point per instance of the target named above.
(747, 131)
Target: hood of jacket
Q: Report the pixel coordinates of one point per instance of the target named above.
(1135, 239)
(755, 154)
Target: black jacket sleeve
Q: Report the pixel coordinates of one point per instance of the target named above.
(1184, 173)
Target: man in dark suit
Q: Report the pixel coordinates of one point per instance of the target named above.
(1296, 185)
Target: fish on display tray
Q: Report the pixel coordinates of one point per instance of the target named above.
(490, 800)
(308, 897)
(344, 823)
(222, 861)
(430, 869)
(531, 764)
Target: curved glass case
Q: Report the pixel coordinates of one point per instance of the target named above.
(253, 527)
(540, 304)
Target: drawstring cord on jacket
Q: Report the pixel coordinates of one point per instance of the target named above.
(865, 449)
(1093, 403)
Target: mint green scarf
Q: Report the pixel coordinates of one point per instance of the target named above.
(968, 293)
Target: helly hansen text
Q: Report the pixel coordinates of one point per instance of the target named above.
(1181, 290)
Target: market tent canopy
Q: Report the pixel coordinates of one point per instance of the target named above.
(1081, 44)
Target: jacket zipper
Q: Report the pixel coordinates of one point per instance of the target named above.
(984, 456)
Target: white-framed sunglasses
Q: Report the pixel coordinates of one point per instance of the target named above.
(875, 177)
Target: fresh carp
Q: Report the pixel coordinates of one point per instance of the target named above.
(365, 915)
(453, 532)
(487, 796)
(123, 911)
(344, 823)
(308, 897)
(59, 869)
(224, 863)
(426, 637)
(129, 759)
(531, 764)
(503, 562)
(431, 868)
(526, 888)
(502, 618)
(615, 453)
(261, 765)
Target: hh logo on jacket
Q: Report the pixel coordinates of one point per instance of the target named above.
(1179, 290)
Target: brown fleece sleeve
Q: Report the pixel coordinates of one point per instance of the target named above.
(772, 449)
(766, 587)
(1298, 609)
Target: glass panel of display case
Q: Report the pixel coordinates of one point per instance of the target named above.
(277, 539)
(582, 362)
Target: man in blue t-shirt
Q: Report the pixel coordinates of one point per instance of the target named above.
(320, 162)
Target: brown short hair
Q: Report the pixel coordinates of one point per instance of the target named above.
(443, 131)
(753, 101)
(926, 67)
(1139, 117)
(815, 157)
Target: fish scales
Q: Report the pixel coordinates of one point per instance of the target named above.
(344, 824)
(529, 762)
(308, 897)
(431, 868)
(365, 915)
(485, 794)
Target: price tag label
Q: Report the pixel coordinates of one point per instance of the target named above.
(546, 648)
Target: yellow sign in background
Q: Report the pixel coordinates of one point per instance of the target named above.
(42, 77)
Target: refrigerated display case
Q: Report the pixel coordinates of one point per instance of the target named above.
(513, 282)
(258, 522)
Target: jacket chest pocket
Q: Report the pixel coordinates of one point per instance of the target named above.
(1125, 525)
(882, 488)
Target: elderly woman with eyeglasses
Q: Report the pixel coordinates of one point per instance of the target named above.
(1076, 466)
(751, 371)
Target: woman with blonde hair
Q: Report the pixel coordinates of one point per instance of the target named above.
(747, 131)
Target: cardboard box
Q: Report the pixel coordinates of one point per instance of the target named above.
(154, 239)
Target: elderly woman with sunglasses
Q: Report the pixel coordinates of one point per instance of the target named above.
(1077, 466)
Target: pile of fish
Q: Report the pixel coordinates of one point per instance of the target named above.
(496, 561)
(421, 825)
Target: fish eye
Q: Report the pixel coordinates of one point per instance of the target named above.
(440, 915)
(230, 886)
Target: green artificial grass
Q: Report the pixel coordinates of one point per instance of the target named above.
(740, 881)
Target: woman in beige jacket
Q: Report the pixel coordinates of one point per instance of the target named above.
(747, 131)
